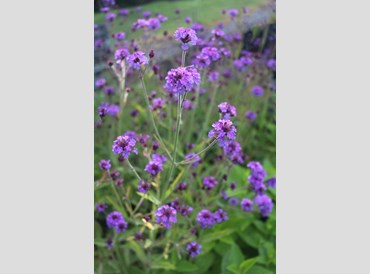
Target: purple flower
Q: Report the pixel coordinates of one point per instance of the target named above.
(114, 174)
(185, 210)
(123, 12)
(143, 187)
(143, 139)
(155, 165)
(165, 215)
(206, 219)
(146, 14)
(124, 145)
(114, 218)
(104, 164)
(233, 151)
(257, 91)
(103, 109)
(157, 104)
(257, 177)
(251, 115)
(187, 36)
(223, 130)
(209, 182)
(264, 204)
(233, 13)
(247, 205)
(233, 201)
(220, 216)
(223, 194)
(227, 110)
(101, 207)
(109, 243)
(121, 54)
(182, 79)
(233, 185)
(182, 186)
(242, 63)
(188, 105)
(107, 3)
(154, 23)
(100, 83)
(109, 17)
(187, 20)
(213, 76)
(271, 182)
(119, 36)
(121, 226)
(105, 9)
(137, 59)
(194, 249)
(225, 52)
(155, 145)
(139, 24)
(271, 64)
(161, 18)
(218, 33)
(109, 90)
(113, 110)
(198, 27)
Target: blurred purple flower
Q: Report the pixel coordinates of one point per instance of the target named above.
(166, 215)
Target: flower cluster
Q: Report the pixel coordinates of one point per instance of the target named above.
(257, 176)
(194, 249)
(209, 182)
(105, 164)
(116, 220)
(124, 145)
(223, 130)
(165, 215)
(193, 158)
(155, 165)
(187, 36)
(207, 55)
(149, 23)
(143, 187)
(207, 219)
(227, 110)
(182, 79)
(137, 59)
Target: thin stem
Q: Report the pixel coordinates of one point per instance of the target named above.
(208, 115)
(189, 161)
(152, 117)
(134, 170)
(138, 205)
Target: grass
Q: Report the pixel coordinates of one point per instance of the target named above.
(207, 12)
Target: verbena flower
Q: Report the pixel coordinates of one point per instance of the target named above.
(121, 226)
(213, 76)
(162, 18)
(119, 36)
(209, 182)
(113, 110)
(271, 182)
(107, 3)
(143, 139)
(223, 130)
(143, 187)
(194, 249)
(225, 52)
(271, 64)
(227, 110)
(233, 151)
(185, 210)
(105, 164)
(123, 12)
(233, 201)
(205, 219)
(224, 195)
(182, 186)
(198, 27)
(101, 207)
(218, 33)
(114, 174)
(264, 204)
(187, 36)
(103, 109)
(146, 13)
(137, 59)
(187, 105)
(155, 165)
(182, 79)
(257, 91)
(220, 216)
(157, 104)
(257, 176)
(121, 54)
(124, 145)
(233, 13)
(109, 17)
(109, 243)
(247, 205)
(251, 115)
(100, 83)
(242, 63)
(165, 215)
(187, 20)
(109, 90)
(114, 218)
(154, 23)
(233, 185)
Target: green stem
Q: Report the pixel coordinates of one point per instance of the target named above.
(138, 205)
(134, 170)
(208, 115)
(189, 161)
(152, 117)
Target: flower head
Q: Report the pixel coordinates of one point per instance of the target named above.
(209, 182)
(104, 164)
(220, 216)
(182, 79)
(194, 249)
(247, 205)
(223, 130)
(137, 59)
(233, 151)
(121, 54)
(271, 182)
(251, 115)
(257, 176)
(100, 83)
(257, 91)
(143, 187)
(124, 145)
(264, 204)
(205, 219)
(233, 13)
(233, 201)
(187, 36)
(165, 215)
(114, 218)
(121, 226)
(227, 110)
(101, 207)
(157, 104)
(155, 165)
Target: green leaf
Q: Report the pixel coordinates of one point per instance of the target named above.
(184, 266)
(149, 196)
(217, 235)
(174, 184)
(163, 265)
(204, 262)
(138, 250)
(233, 268)
(247, 265)
(233, 256)
(259, 270)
